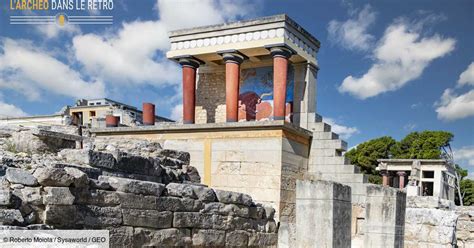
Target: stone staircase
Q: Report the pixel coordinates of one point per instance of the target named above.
(327, 162)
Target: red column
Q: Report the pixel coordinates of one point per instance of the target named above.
(232, 80)
(384, 178)
(280, 74)
(189, 89)
(401, 179)
(148, 114)
(112, 121)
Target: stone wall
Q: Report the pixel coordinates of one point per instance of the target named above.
(210, 97)
(142, 194)
(435, 222)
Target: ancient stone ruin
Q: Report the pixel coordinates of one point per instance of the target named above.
(142, 194)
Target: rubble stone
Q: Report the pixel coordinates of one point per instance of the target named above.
(134, 186)
(233, 197)
(208, 238)
(53, 177)
(58, 196)
(15, 175)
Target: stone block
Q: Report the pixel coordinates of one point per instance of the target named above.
(60, 216)
(97, 217)
(192, 220)
(75, 156)
(15, 175)
(226, 209)
(257, 239)
(96, 184)
(176, 204)
(237, 238)
(10, 217)
(170, 237)
(121, 237)
(183, 156)
(102, 160)
(331, 229)
(80, 178)
(32, 195)
(58, 196)
(136, 164)
(147, 218)
(384, 217)
(233, 197)
(57, 177)
(101, 198)
(133, 186)
(208, 238)
(128, 200)
(5, 197)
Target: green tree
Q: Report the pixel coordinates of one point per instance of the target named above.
(416, 145)
(467, 189)
(365, 155)
(422, 145)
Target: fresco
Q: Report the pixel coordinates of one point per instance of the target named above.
(256, 94)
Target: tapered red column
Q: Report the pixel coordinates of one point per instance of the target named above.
(384, 178)
(280, 74)
(401, 179)
(189, 89)
(232, 79)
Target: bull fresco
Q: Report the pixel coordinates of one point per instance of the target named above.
(256, 94)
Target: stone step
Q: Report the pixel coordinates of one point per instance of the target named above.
(319, 127)
(334, 168)
(325, 152)
(337, 144)
(325, 136)
(330, 160)
(345, 178)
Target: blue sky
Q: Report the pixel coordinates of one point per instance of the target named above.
(386, 67)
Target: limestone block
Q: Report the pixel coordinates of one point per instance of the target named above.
(101, 198)
(237, 238)
(161, 238)
(183, 156)
(5, 197)
(10, 217)
(263, 240)
(96, 184)
(128, 200)
(133, 186)
(176, 204)
(53, 177)
(121, 237)
(208, 238)
(192, 220)
(96, 217)
(147, 218)
(102, 160)
(60, 216)
(58, 196)
(202, 193)
(80, 178)
(75, 156)
(331, 229)
(385, 217)
(15, 175)
(233, 197)
(32, 195)
(226, 209)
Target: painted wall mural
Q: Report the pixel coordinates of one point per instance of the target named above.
(256, 94)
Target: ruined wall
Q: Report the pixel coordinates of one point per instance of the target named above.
(433, 222)
(142, 194)
(210, 97)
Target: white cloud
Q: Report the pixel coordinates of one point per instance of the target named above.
(467, 76)
(177, 113)
(352, 33)
(401, 56)
(9, 110)
(130, 54)
(409, 126)
(452, 106)
(344, 132)
(464, 156)
(53, 31)
(27, 69)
